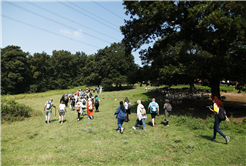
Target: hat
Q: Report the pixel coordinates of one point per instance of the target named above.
(153, 99)
(166, 100)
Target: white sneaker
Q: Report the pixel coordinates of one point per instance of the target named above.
(144, 129)
(122, 130)
(78, 119)
(167, 125)
(134, 128)
(61, 122)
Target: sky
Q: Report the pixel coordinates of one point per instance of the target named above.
(44, 26)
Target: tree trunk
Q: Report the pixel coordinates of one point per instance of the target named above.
(215, 87)
(192, 86)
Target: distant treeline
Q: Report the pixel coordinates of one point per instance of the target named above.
(24, 73)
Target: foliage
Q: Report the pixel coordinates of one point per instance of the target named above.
(24, 73)
(13, 111)
(14, 70)
(109, 66)
(216, 28)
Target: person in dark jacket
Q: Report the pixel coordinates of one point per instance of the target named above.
(66, 100)
(120, 112)
(128, 109)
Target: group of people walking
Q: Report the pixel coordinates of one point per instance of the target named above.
(154, 110)
(86, 103)
(123, 112)
(83, 103)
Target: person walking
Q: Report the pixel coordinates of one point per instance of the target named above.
(83, 101)
(73, 102)
(167, 110)
(89, 107)
(100, 90)
(216, 108)
(127, 105)
(97, 100)
(61, 111)
(141, 116)
(120, 112)
(79, 109)
(66, 100)
(48, 107)
(154, 110)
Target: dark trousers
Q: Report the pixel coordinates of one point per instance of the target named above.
(216, 127)
(97, 108)
(127, 117)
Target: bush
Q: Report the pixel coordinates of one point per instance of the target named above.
(13, 111)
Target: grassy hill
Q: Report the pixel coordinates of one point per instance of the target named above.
(97, 142)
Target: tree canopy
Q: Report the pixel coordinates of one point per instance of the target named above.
(217, 28)
(22, 72)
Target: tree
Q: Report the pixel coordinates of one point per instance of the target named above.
(181, 63)
(62, 69)
(15, 73)
(112, 65)
(217, 27)
(39, 65)
(90, 71)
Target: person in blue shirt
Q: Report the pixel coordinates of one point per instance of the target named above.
(121, 111)
(154, 110)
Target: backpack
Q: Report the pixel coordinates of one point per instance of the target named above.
(84, 102)
(48, 105)
(143, 111)
(154, 107)
(90, 106)
(169, 108)
(78, 107)
(96, 102)
(222, 113)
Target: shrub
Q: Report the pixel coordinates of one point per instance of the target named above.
(13, 111)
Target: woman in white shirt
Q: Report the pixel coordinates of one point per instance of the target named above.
(62, 109)
(79, 108)
(83, 101)
(140, 117)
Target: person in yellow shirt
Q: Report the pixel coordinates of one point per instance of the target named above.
(216, 106)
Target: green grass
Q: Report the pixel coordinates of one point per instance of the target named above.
(96, 142)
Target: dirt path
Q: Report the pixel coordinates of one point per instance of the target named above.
(235, 105)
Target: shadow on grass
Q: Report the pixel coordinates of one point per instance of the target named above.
(164, 123)
(209, 139)
(195, 109)
(206, 137)
(53, 120)
(109, 89)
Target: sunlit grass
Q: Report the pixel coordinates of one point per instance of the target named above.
(96, 142)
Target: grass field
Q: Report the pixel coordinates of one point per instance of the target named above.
(97, 142)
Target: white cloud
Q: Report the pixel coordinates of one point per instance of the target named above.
(77, 33)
